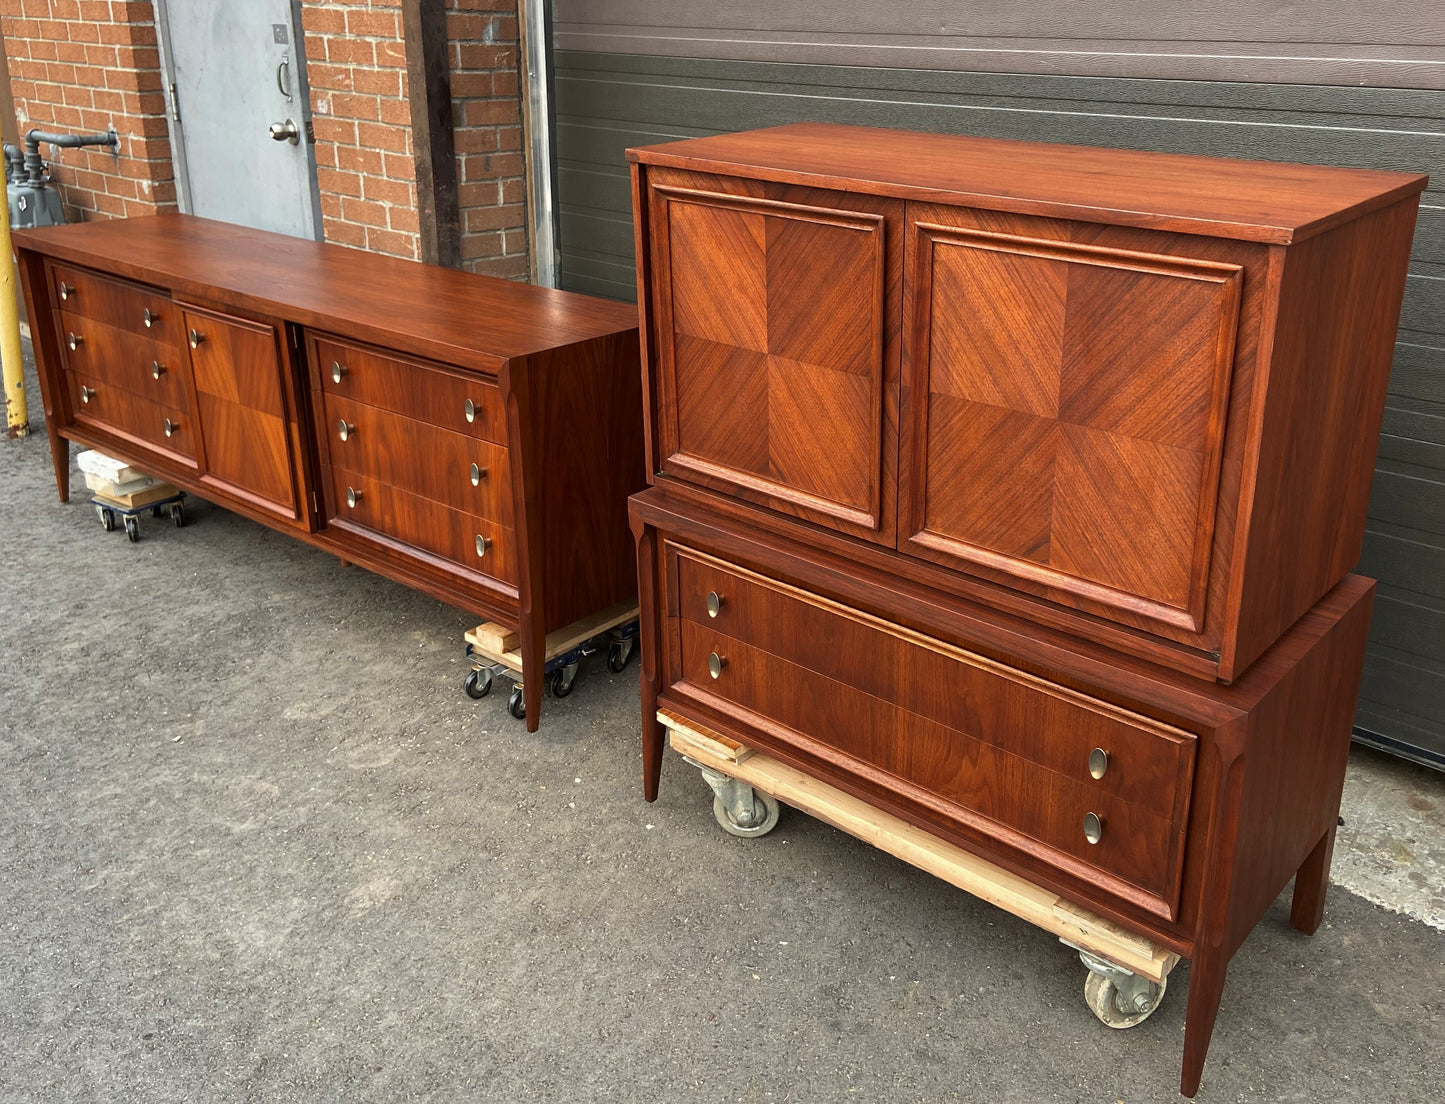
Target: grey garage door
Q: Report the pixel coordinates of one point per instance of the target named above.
(1309, 81)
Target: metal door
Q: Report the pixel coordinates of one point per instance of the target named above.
(240, 113)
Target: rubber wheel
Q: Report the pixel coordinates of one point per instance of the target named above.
(618, 653)
(132, 528)
(1102, 998)
(515, 705)
(772, 810)
(178, 514)
(478, 684)
(107, 518)
(561, 684)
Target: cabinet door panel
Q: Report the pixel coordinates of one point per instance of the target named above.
(1069, 401)
(245, 433)
(777, 314)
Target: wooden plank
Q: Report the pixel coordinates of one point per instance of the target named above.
(425, 29)
(1039, 906)
(706, 742)
(140, 498)
(483, 638)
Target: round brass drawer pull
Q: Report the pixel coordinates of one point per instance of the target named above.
(66, 290)
(343, 430)
(714, 603)
(483, 543)
(470, 410)
(715, 665)
(1098, 762)
(477, 474)
(197, 338)
(337, 371)
(353, 496)
(157, 369)
(149, 318)
(86, 393)
(1093, 827)
(74, 340)
(170, 427)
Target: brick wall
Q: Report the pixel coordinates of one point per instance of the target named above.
(486, 107)
(87, 65)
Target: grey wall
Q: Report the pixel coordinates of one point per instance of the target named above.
(607, 101)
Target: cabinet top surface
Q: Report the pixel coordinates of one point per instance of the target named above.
(452, 316)
(1253, 200)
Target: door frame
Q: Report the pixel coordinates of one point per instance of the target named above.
(176, 131)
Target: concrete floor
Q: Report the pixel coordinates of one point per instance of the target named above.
(255, 845)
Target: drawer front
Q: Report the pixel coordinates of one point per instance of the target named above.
(135, 308)
(99, 403)
(421, 458)
(147, 368)
(365, 501)
(468, 404)
(1001, 747)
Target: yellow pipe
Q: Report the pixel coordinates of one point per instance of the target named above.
(17, 415)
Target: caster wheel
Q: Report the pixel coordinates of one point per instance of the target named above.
(478, 683)
(107, 518)
(618, 653)
(515, 705)
(771, 811)
(1103, 1000)
(178, 514)
(562, 680)
(132, 528)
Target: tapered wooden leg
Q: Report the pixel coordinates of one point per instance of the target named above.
(1206, 986)
(653, 734)
(1311, 883)
(534, 663)
(60, 458)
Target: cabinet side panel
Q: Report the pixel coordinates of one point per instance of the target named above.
(1334, 342)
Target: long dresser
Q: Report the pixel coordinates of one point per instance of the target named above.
(470, 437)
(1013, 490)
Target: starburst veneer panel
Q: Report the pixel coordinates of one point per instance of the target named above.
(1058, 445)
(772, 349)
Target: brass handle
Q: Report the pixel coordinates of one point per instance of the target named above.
(66, 291)
(1098, 762)
(477, 474)
(86, 393)
(353, 496)
(74, 340)
(715, 665)
(337, 371)
(170, 426)
(1093, 827)
(148, 318)
(714, 603)
(196, 338)
(157, 369)
(470, 410)
(483, 543)
(343, 430)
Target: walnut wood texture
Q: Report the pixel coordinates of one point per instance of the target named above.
(1222, 792)
(1137, 395)
(440, 370)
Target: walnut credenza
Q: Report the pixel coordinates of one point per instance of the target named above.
(1014, 489)
(470, 437)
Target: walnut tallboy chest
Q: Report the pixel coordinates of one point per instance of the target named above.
(470, 437)
(1014, 489)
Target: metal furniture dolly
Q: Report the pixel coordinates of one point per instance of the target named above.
(492, 650)
(1127, 975)
(108, 509)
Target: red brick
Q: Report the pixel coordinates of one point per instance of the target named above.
(334, 78)
(344, 233)
(492, 218)
(318, 19)
(394, 192)
(364, 211)
(391, 242)
(372, 24)
(383, 136)
(404, 219)
(377, 82)
(492, 112)
(356, 159)
(397, 112)
(350, 106)
(351, 51)
(330, 129)
(399, 166)
(391, 55)
(342, 183)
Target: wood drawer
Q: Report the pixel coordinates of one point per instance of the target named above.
(421, 458)
(144, 311)
(97, 402)
(1000, 749)
(411, 389)
(144, 366)
(421, 523)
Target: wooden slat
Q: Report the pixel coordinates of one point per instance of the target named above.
(485, 639)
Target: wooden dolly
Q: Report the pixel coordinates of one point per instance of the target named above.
(1127, 973)
(492, 650)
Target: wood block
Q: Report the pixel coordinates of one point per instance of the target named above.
(140, 498)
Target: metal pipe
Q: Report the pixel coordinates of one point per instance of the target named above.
(35, 167)
(14, 164)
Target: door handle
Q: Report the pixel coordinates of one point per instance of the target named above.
(283, 81)
(286, 132)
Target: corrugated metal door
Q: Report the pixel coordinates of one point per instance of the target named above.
(1313, 81)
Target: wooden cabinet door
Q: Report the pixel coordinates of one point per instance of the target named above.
(242, 409)
(1067, 388)
(775, 320)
